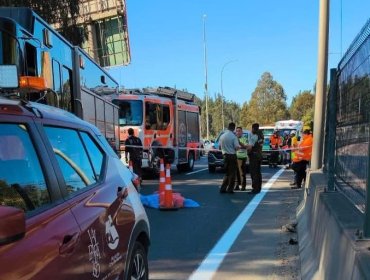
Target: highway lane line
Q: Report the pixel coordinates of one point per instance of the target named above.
(200, 170)
(213, 260)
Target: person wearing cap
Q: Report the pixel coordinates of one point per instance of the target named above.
(302, 158)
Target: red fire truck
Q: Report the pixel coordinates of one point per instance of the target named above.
(167, 122)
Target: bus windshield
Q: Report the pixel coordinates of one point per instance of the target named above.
(130, 112)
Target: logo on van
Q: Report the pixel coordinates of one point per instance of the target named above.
(111, 234)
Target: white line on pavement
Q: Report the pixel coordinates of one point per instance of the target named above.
(213, 260)
(200, 170)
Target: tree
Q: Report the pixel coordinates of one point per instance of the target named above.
(64, 13)
(268, 102)
(302, 106)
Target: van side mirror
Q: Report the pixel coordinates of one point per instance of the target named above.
(12, 224)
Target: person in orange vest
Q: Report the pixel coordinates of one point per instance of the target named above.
(276, 142)
(302, 158)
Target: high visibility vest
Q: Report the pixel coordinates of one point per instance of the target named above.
(304, 151)
(294, 145)
(242, 153)
(275, 141)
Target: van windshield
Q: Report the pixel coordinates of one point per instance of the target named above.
(130, 112)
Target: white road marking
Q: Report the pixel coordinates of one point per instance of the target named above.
(213, 260)
(200, 170)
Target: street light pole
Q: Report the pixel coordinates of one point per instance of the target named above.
(222, 92)
(206, 73)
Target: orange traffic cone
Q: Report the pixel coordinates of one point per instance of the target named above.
(167, 202)
(130, 166)
(162, 177)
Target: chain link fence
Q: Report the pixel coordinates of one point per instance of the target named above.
(353, 120)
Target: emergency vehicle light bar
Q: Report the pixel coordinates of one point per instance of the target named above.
(32, 83)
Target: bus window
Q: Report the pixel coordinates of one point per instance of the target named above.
(31, 60)
(66, 101)
(53, 99)
(9, 51)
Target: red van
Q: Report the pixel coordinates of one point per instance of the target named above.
(69, 208)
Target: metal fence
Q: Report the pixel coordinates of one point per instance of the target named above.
(352, 126)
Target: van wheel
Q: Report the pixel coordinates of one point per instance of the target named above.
(190, 163)
(138, 263)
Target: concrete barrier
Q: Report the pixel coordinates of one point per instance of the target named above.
(328, 233)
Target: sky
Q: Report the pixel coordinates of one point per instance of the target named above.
(243, 39)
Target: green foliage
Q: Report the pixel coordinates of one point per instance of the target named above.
(302, 107)
(62, 12)
(268, 103)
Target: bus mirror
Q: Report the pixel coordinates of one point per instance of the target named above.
(8, 76)
(46, 71)
(47, 39)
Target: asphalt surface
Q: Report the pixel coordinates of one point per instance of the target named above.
(182, 239)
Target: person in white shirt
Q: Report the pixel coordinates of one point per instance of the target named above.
(229, 144)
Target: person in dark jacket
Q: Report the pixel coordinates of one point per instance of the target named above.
(134, 151)
(255, 158)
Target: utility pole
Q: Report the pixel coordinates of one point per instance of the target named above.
(322, 67)
(206, 73)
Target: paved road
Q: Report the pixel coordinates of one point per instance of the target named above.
(255, 248)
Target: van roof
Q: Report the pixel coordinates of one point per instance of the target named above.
(42, 111)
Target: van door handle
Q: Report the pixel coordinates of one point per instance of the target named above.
(69, 244)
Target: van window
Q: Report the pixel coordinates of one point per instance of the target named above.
(72, 158)
(22, 183)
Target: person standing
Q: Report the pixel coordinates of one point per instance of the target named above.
(229, 144)
(255, 158)
(275, 143)
(241, 156)
(302, 158)
(293, 145)
(134, 152)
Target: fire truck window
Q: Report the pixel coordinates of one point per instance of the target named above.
(31, 60)
(166, 116)
(72, 158)
(22, 183)
(193, 127)
(65, 101)
(157, 116)
(130, 112)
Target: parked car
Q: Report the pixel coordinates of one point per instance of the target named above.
(205, 146)
(69, 208)
(215, 157)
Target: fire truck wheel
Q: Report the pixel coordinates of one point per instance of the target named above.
(190, 164)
